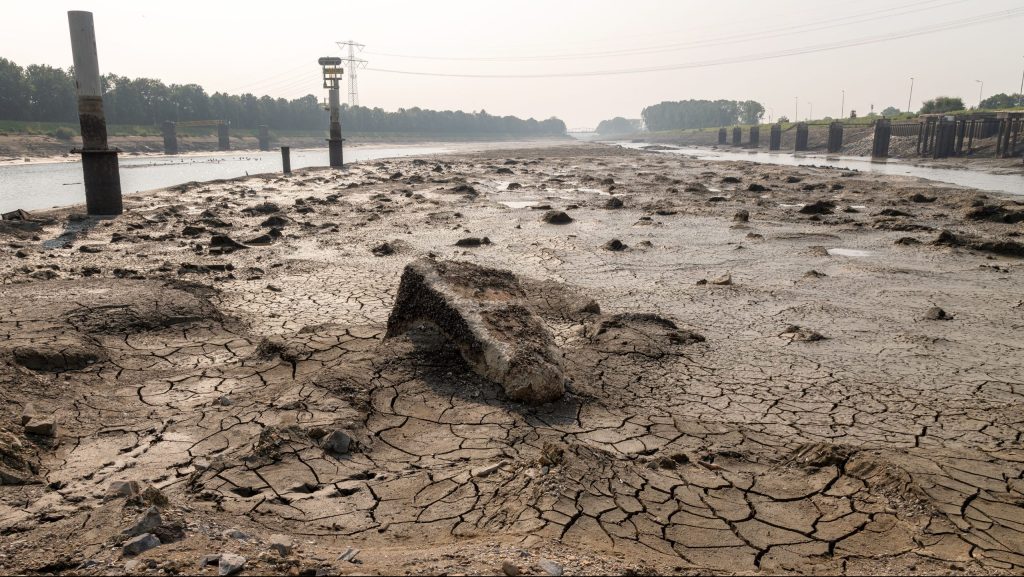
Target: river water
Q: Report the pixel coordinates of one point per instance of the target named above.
(1007, 183)
(42, 185)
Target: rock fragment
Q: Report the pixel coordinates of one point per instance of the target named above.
(281, 544)
(937, 314)
(741, 216)
(819, 207)
(615, 245)
(229, 564)
(723, 280)
(483, 312)
(338, 442)
(147, 523)
(473, 242)
(139, 544)
(224, 244)
(614, 203)
(557, 217)
(42, 426)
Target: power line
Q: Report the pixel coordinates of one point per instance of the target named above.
(862, 41)
(910, 8)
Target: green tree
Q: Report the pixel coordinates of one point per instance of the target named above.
(14, 91)
(891, 111)
(51, 94)
(942, 104)
(617, 125)
(1001, 100)
(751, 112)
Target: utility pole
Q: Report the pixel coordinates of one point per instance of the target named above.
(353, 64)
(842, 108)
(99, 162)
(980, 90)
(810, 115)
(911, 94)
(1020, 95)
(332, 82)
(796, 116)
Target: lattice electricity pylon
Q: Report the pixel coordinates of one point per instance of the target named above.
(353, 65)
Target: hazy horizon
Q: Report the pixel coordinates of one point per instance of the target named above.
(704, 52)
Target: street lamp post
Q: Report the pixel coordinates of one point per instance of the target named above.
(980, 90)
(911, 95)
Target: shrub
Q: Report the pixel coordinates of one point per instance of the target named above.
(63, 133)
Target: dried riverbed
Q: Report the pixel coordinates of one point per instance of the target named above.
(853, 404)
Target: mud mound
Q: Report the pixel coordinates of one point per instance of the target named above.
(55, 352)
(18, 464)
(483, 312)
(149, 310)
(649, 335)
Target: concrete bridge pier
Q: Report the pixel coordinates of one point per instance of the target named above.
(801, 137)
(721, 136)
(883, 134)
(835, 137)
(170, 133)
(775, 137)
(264, 137)
(755, 136)
(223, 140)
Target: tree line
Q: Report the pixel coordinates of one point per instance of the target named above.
(685, 114)
(47, 94)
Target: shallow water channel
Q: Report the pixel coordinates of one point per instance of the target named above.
(1007, 183)
(35, 186)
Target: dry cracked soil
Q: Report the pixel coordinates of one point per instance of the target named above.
(773, 370)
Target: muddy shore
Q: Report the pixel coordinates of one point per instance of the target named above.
(216, 357)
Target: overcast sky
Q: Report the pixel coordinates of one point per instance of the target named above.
(700, 49)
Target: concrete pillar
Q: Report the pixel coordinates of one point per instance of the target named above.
(945, 135)
(223, 137)
(170, 132)
(775, 137)
(334, 143)
(755, 136)
(835, 137)
(737, 136)
(99, 162)
(883, 134)
(286, 159)
(961, 133)
(264, 137)
(721, 136)
(801, 137)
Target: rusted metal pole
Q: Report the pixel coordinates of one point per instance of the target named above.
(334, 143)
(99, 162)
(286, 159)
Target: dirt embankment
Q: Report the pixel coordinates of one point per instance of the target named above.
(745, 368)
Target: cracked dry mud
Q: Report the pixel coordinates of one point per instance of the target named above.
(702, 428)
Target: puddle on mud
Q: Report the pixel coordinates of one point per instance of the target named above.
(851, 252)
(519, 203)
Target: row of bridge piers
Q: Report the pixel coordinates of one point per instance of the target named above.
(937, 136)
(169, 130)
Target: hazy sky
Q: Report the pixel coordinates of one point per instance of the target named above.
(272, 48)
